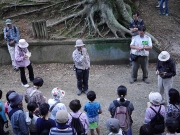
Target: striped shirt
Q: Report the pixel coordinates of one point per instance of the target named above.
(68, 131)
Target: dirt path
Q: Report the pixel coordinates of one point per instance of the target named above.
(165, 29)
(104, 80)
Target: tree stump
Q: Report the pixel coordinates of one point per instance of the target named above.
(39, 30)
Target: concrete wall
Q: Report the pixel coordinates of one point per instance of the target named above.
(102, 51)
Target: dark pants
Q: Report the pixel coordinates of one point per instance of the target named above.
(82, 79)
(23, 76)
(1, 129)
(143, 62)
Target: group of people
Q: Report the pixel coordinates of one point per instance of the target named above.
(50, 117)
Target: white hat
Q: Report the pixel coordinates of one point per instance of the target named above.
(155, 98)
(22, 43)
(57, 93)
(164, 56)
(79, 43)
(8, 21)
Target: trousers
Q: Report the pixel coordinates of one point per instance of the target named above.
(143, 62)
(164, 85)
(82, 79)
(11, 52)
(23, 76)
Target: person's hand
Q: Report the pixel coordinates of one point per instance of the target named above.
(139, 48)
(25, 57)
(135, 29)
(157, 72)
(7, 34)
(88, 68)
(6, 124)
(84, 54)
(162, 75)
(11, 42)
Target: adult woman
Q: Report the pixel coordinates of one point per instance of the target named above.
(22, 55)
(173, 108)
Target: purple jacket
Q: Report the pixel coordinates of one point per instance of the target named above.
(20, 61)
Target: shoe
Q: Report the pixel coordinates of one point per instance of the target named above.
(132, 80)
(158, 6)
(79, 92)
(166, 14)
(161, 13)
(86, 91)
(25, 85)
(146, 81)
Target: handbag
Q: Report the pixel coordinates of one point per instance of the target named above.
(133, 57)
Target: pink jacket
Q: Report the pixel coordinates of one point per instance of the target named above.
(20, 61)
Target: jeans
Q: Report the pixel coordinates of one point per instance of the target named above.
(23, 76)
(82, 79)
(140, 61)
(166, 7)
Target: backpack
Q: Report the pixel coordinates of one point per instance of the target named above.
(77, 125)
(121, 113)
(157, 122)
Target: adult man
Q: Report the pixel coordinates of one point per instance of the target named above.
(140, 46)
(11, 35)
(135, 23)
(165, 69)
(82, 64)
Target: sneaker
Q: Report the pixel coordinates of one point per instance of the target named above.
(25, 85)
(166, 14)
(146, 81)
(158, 6)
(132, 80)
(79, 92)
(86, 91)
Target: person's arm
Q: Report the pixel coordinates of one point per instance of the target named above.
(17, 37)
(17, 56)
(78, 59)
(173, 70)
(147, 118)
(132, 45)
(100, 110)
(5, 33)
(22, 124)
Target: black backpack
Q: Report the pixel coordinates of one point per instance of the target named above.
(157, 122)
(77, 125)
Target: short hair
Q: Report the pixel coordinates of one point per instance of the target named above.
(142, 28)
(44, 109)
(134, 13)
(75, 105)
(171, 125)
(91, 95)
(174, 97)
(146, 129)
(38, 81)
(8, 93)
(0, 94)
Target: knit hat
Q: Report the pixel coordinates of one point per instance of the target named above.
(155, 98)
(15, 99)
(62, 117)
(113, 125)
(164, 56)
(57, 93)
(79, 43)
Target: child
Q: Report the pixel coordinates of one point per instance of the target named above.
(75, 106)
(31, 118)
(146, 129)
(7, 106)
(171, 126)
(93, 109)
(113, 126)
(44, 124)
(3, 119)
(55, 103)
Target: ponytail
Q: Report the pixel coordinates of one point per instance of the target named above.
(122, 98)
(31, 114)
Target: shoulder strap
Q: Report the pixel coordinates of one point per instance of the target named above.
(155, 110)
(31, 94)
(117, 104)
(79, 115)
(176, 106)
(12, 112)
(53, 106)
(14, 29)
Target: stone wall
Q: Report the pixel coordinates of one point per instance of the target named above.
(101, 51)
